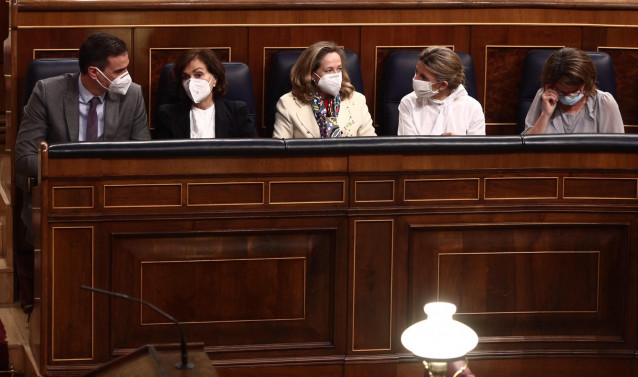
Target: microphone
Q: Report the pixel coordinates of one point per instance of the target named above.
(184, 364)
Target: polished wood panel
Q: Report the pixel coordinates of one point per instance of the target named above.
(231, 193)
(142, 195)
(597, 188)
(71, 307)
(372, 272)
(521, 187)
(327, 288)
(441, 189)
(72, 197)
(524, 280)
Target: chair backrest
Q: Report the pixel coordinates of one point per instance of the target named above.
(531, 79)
(39, 69)
(398, 71)
(279, 81)
(239, 86)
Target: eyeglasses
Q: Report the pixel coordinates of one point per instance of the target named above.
(567, 94)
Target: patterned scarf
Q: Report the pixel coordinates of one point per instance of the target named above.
(328, 126)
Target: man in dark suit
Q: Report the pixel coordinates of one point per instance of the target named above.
(99, 103)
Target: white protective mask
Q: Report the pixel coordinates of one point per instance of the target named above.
(423, 89)
(330, 83)
(197, 89)
(119, 85)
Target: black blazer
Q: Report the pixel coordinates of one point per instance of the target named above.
(232, 120)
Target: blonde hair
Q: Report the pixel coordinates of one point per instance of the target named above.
(444, 64)
(572, 67)
(303, 87)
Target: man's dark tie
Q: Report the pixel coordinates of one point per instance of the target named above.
(91, 121)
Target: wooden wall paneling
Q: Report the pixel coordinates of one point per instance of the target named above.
(556, 366)
(156, 46)
(263, 42)
(498, 53)
(622, 45)
(379, 41)
(566, 274)
(372, 289)
(57, 43)
(271, 289)
(72, 309)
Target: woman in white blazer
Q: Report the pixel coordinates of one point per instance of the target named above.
(322, 102)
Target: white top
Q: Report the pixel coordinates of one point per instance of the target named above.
(600, 115)
(202, 123)
(458, 113)
(85, 96)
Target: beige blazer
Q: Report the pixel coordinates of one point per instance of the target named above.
(296, 120)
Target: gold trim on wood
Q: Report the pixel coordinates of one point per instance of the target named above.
(373, 201)
(305, 274)
(221, 25)
(181, 189)
(597, 252)
(71, 188)
(519, 197)
(485, 73)
(343, 192)
(53, 280)
(354, 288)
(188, 185)
(52, 49)
(600, 179)
(478, 187)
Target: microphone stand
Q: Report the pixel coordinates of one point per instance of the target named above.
(184, 363)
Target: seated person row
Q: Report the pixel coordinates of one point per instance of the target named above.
(568, 100)
(314, 107)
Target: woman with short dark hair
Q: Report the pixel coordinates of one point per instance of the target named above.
(202, 111)
(568, 100)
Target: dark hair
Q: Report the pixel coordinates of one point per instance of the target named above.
(570, 66)
(96, 50)
(213, 65)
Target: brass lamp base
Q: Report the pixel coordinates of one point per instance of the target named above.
(439, 368)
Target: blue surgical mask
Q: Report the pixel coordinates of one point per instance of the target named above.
(570, 100)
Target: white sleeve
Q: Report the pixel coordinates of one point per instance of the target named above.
(406, 119)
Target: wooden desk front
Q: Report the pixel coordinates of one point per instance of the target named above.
(288, 261)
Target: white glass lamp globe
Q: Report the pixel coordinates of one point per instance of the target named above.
(439, 336)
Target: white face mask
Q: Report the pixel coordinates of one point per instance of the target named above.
(197, 89)
(423, 89)
(119, 85)
(330, 83)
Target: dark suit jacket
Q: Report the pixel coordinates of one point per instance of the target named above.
(53, 115)
(232, 120)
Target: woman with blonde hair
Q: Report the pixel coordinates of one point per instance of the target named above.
(322, 102)
(439, 104)
(568, 101)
